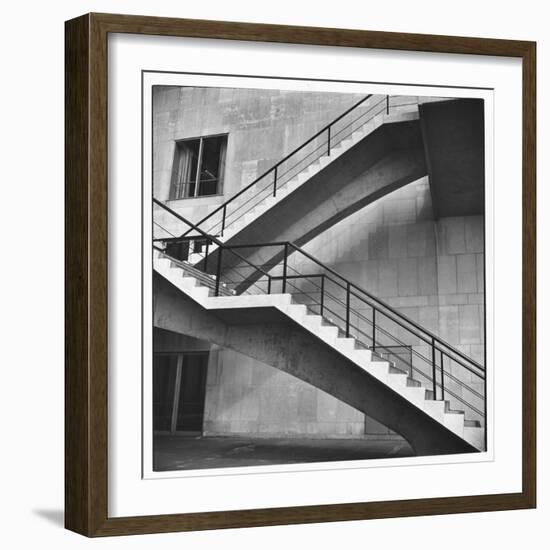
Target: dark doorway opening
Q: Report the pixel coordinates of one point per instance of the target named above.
(179, 389)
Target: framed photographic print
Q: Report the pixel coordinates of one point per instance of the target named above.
(300, 274)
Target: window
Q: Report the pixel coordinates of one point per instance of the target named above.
(199, 166)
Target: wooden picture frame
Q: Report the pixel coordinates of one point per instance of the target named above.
(86, 222)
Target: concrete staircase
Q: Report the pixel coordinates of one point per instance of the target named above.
(241, 214)
(421, 411)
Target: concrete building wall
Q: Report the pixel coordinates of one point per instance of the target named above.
(236, 399)
(262, 126)
(246, 396)
(430, 270)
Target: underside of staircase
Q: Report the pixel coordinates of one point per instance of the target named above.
(286, 335)
(379, 159)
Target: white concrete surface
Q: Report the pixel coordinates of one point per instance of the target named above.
(329, 335)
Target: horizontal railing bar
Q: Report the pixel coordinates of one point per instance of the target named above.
(320, 147)
(181, 263)
(284, 159)
(212, 238)
(383, 304)
(393, 313)
(180, 239)
(386, 333)
(442, 345)
(275, 277)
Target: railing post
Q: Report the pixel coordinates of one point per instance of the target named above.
(223, 218)
(268, 284)
(219, 271)
(328, 141)
(348, 296)
(206, 256)
(433, 370)
(387, 104)
(275, 182)
(284, 267)
(442, 376)
(373, 328)
(322, 294)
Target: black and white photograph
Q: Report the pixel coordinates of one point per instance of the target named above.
(277, 272)
(318, 264)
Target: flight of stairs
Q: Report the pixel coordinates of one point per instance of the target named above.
(201, 289)
(238, 218)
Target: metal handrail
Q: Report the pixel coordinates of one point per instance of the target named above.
(437, 344)
(352, 290)
(430, 335)
(207, 236)
(273, 169)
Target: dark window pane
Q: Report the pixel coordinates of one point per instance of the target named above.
(202, 158)
(212, 165)
(185, 169)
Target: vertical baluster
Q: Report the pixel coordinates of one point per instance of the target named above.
(284, 267)
(387, 104)
(433, 370)
(373, 328)
(322, 294)
(348, 296)
(328, 141)
(275, 182)
(219, 270)
(442, 376)
(223, 218)
(268, 284)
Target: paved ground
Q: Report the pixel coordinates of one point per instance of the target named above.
(187, 453)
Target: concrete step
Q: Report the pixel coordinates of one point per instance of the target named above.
(312, 320)
(455, 423)
(297, 311)
(163, 263)
(429, 394)
(328, 333)
(412, 383)
(192, 277)
(200, 292)
(363, 356)
(436, 409)
(346, 345)
(474, 436)
(395, 370)
(188, 282)
(415, 395)
(380, 369)
(397, 379)
(202, 285)
(472, 423)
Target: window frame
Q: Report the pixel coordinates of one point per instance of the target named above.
(174, 175)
